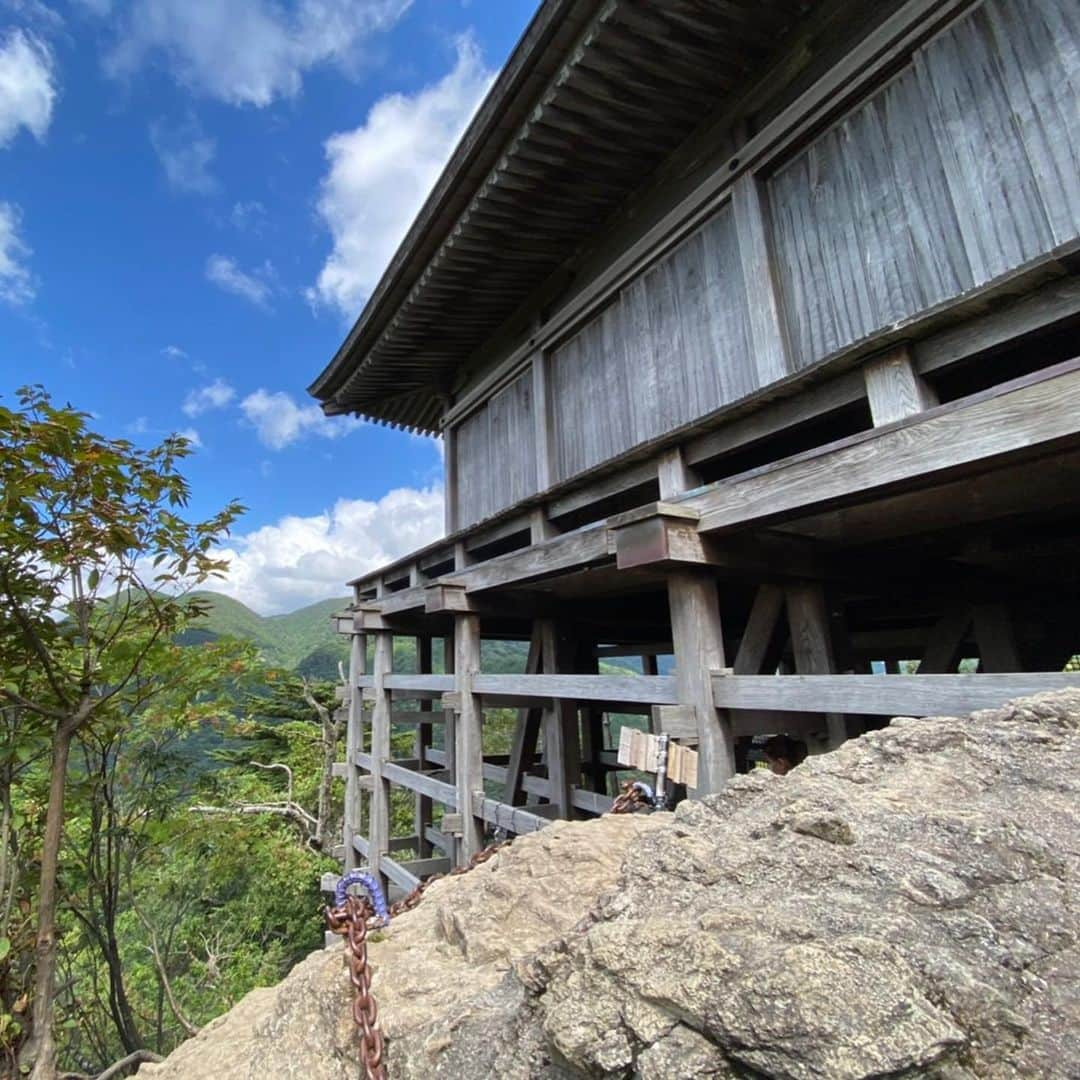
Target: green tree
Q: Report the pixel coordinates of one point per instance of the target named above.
(95, 566)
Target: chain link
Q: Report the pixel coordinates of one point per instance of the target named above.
(414, 898)
(351, 921)
(635, 795)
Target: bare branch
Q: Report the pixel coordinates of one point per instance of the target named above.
(139, 1057)
(285, 768)
(159, 963)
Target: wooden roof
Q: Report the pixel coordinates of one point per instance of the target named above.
(595, 96)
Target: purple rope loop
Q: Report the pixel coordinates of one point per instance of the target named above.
(371, 886)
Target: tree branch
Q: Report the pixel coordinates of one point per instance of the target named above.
(139, 1057)
(159, 964)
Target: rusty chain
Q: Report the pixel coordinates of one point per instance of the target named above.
(349, 917)
(409, 902)
(634, 796)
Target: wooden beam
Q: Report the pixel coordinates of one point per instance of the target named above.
(883, 695)
(1037, 412)
(648, 690)
(511, 818)
(894, 388)
(762, 627)
(470, 720)
(566, 552)
(699, 650)
(396, 872)
(422, 783)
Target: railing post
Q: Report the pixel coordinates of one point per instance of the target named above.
(353, 818)
(379, 825)
(470, 724)
(699, 651)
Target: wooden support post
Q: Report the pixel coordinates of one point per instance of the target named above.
(674, 475)
(449, 727)
(470, 753)
(353, 819)
(894, 388)
(942, 653)
(994, 634)
(562, 747)
(423, 745)
(526, 732)
(767, 329)
(379, 818)
(541, 527)
(592, 724)
(758, 651)
(811, 642)
(699, 651)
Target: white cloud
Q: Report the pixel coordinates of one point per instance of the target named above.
(299, 560)
(279, 421)
(185, 152)
(247, 52)
(17, 284)
(27, 86)
(381, 172)
(248, 216)
(215, 395)
(174, 352)
(257, 286)
(192, 436)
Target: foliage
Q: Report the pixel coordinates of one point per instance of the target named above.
(95, 567)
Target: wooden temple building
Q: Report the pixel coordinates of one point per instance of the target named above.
(752, 331)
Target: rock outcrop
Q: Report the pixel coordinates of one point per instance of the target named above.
(906, 906)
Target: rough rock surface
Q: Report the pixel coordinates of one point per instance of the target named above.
(906, 906)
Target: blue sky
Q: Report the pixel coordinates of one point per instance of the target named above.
(196, 198)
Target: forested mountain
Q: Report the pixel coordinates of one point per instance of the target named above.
(304, 641)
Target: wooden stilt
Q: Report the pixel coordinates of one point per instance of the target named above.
(353, 822)
(942, 653)
(812, 644)
(758, 646)
(561, 743)
(994, 634)
(422, 814)
(526, 732)
(699, 651)
(379, 824)
(470, 753)
(450, 727)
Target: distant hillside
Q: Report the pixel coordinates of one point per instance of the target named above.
(305, 641)
(302, 640)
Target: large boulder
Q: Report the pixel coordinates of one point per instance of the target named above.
(904, 906)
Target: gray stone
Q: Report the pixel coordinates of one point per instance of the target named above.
(905, 906)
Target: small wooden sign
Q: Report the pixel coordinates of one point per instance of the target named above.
(682, 765)
(640, 750)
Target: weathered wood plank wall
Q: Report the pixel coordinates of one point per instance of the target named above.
(672, 347)
(496, 453)
(964, 166)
